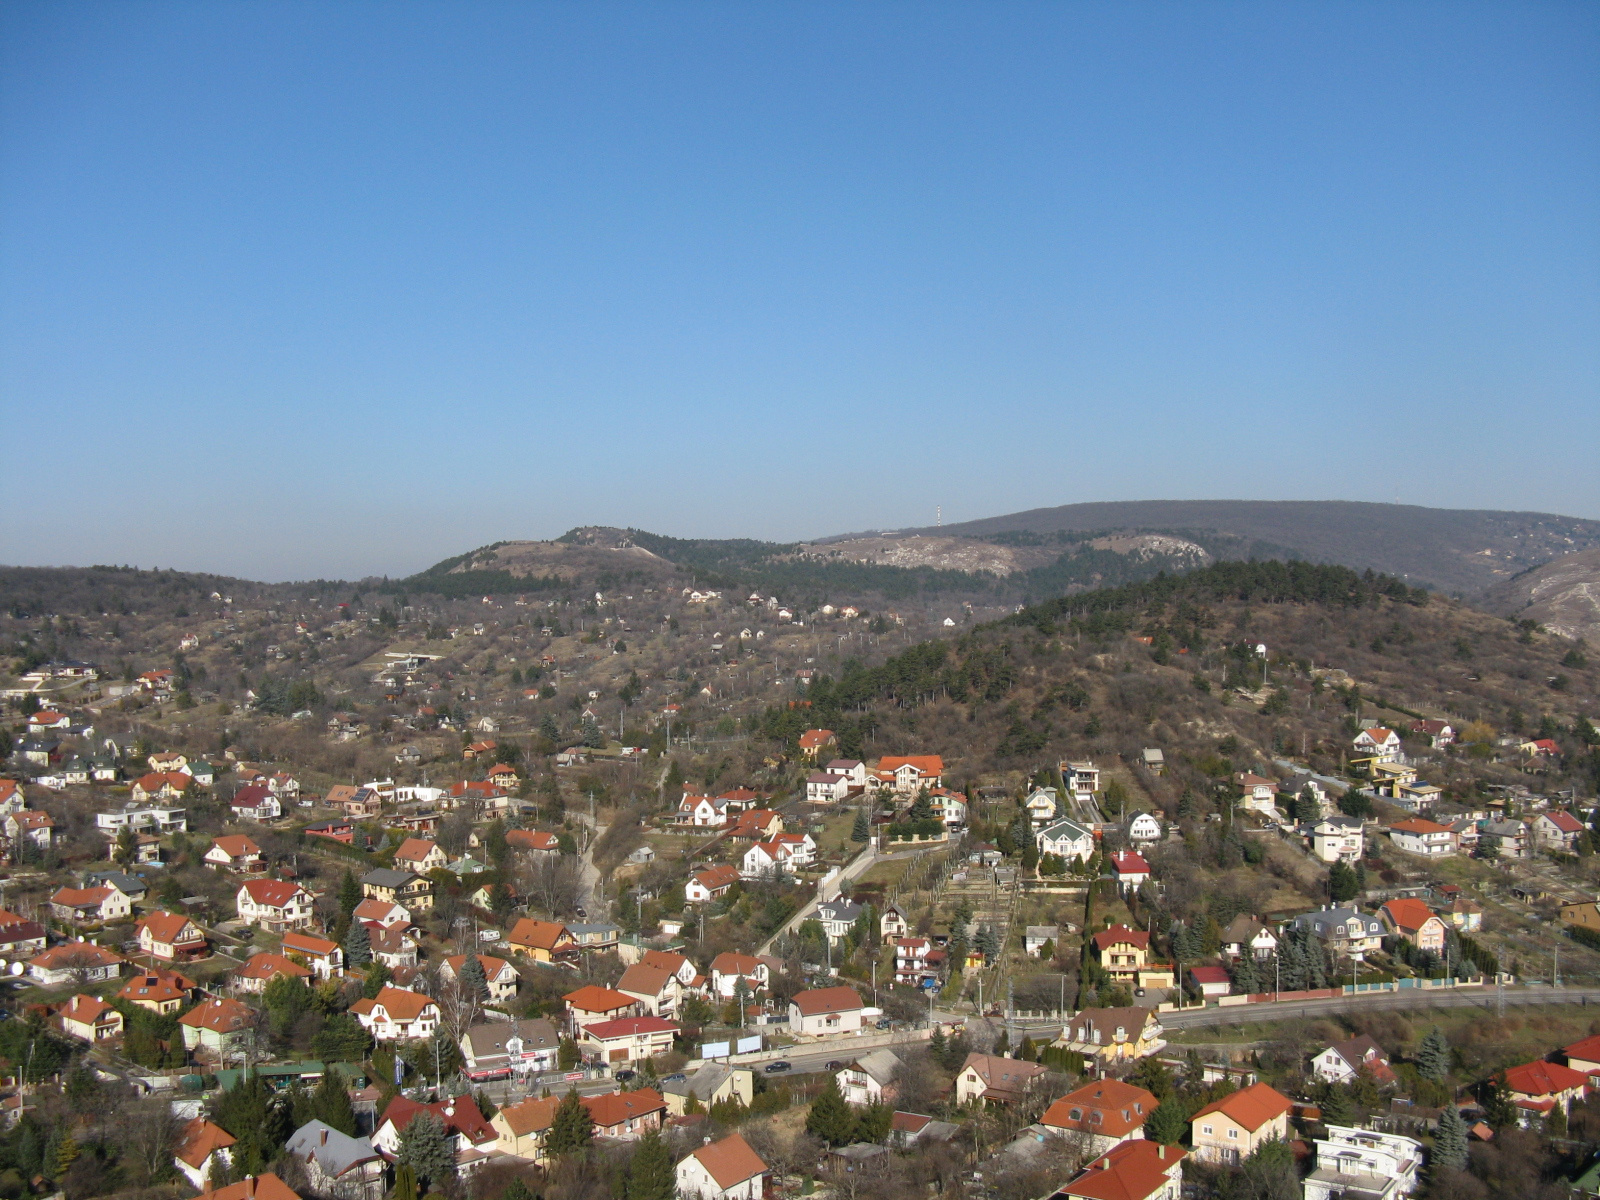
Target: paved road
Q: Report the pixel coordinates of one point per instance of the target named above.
(854, 870)
(1484, 998)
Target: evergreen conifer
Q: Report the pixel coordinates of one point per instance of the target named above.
(473, 980)
(1450, 1140)
(1433, 1056)
(572, 1128)
(650, 1173)
(357, 945)
(427, 1148)
(862, 829)
(830, 1118)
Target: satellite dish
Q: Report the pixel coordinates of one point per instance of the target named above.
(17, 968)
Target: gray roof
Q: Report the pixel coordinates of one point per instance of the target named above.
(384, 877)
(702, 1085)
(488, 1041)
(593, 927)
(1064, 829)
(1322, 921)
(839, 910)
(1050, 932)
(334, 1152)
(123, 882)
(880, 1064)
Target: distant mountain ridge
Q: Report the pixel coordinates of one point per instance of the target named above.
(1458, 550)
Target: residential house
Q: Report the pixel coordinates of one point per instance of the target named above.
(853, 769)
(713, 1082)
(75, 962)
(814, 741)
(261, 969)
(131, 886)
(917, 961)
(816, 1012)
(397, 1014)
(1556, 830)
(19, 939)
(1041, 806)
(591, 1004)
(949, 807)
(161, 785)
(870, 1079)
(1228, 1131)
(626, 1116)
(997, 1080)
(335, 829)
(234, 851)
(657, 989)
(256, 802)
(1129, 869)
(907, 1130)
(1338, 839)
(1343, 930)
(827, 787)
(1259, 793)
(703, 812)
(534, 841)
(1247, 935)
(1132, 1170)
(764, 860)
(1144, 827)
(1154, 759)
(1413, 920)
(324, 957)
(543, 941)
(337, 1164)
(729, 967)
(471, 1137)
(497, 1049)
(36, 827)
(905, 775)
(501, 975)
(356, 802)
(171, 937)
(419, 856)
(628, 1039)
(1111, 1034)
(723, 1170)
(1361, 1162)
(710, 883)
(1082, 779)
(218, 1026)
(1505, 839)
(162, 992)
(1439, 733)
(892, 923)
(1343, 1061)
(1125, 954)
(84, 905)
(274, 904)
(1464, 913)
(678, 965)
(1067, 840)
(1379, 743)
(1105, 1112)
(204, 1153)
(838, 918)
(595, 937)
(1418, 835)
(1037, 937)
(381, 912)
(398, 887)
(1538, 1088)
(90, 1018)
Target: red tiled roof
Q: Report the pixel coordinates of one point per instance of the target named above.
(1252, 1107)
(1106, 1106)
(1407, 913)
(730, 1161)
(628, 1027)
(272, 892)
(1542, 1079)
(200, 1139)
(815, 1001)
(236, 845)
(1107, 938)
(170, 927)
(1131, 1171)
(616, 1107)
(591, 998)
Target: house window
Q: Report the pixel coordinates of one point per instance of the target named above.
(1233, 1133)
(1206, 1129)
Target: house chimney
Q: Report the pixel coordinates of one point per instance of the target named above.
(324, 1140)
(705, 1141)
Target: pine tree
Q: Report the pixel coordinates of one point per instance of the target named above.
(1336, 1107)
(330, 1103)
(1246, 978)
(426, 1147)
(650, 1173)
(473, 980)
(988, 941)
(1167, 1124)
(405, 1183)
(1450, 1140)
(862, 829)
(357, 945)
(349, 893)
(517, 1190)
(1433, 1056)
(830, 1117)
(936, 1043)
(572, 1128)
(873, 1123)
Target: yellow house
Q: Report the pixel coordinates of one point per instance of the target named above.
(1227, 1131)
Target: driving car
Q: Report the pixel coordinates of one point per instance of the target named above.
(773, 1068)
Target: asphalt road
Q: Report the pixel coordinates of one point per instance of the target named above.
(1483, 998)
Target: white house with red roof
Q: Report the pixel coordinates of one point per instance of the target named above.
(1129, 869)
(1537, 1088)
(1379, 743)
(1556, 830)
(1420, 836)
(79, 905)
(1138, 1169)
(710, 883)
(1439, 733)
(724, 1170)
(172, 937)
(234, 851)
(397, 1014)
(628, 1039)
(90, 1018)
(905, 775)
(37, 827)
(730, 966)
(256, 803)
(1210, 981)
(274, 904)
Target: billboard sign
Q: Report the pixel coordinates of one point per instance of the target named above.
(714, 1050)
(746, 1044)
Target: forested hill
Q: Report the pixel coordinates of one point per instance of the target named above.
(1162, 663)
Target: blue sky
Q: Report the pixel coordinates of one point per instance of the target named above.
(293, 290)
